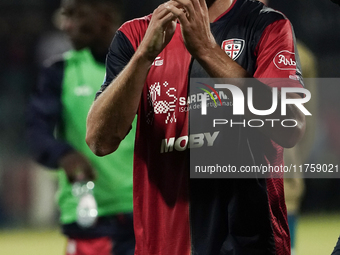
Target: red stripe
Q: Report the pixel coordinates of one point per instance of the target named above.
(135, 29)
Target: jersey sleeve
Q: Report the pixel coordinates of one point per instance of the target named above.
(44, 115)
(119, 55)
(277, 59)
(122, 48)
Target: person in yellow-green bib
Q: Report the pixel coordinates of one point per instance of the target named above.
(64, 94)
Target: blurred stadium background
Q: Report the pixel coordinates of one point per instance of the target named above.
(28, 215)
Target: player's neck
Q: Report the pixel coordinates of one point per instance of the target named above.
(218, 7)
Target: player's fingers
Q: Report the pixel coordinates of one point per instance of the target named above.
(187, 5)
(179, 13)
(197, 4)
(160, 12)
(203, 5)
(169, 17)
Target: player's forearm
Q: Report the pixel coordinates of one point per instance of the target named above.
(111, 115)
(285, 136)
(217, 63)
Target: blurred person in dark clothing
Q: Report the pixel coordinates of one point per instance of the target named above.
(65, 91)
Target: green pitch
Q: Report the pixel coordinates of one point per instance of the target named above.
(316, 235)
(32, 242)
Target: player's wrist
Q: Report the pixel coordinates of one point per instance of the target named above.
(205, 51)
(144, 57)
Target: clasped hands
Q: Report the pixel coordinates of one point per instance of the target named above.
(193, 17)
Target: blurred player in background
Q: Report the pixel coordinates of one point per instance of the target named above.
(294, 184)
(65, 91)
(149, 65)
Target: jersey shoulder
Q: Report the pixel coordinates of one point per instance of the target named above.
(135, 29)
(259, 14)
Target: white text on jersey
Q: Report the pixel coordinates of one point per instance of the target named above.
(191, 141)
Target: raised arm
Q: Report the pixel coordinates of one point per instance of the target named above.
(111, 115)
(199, 41)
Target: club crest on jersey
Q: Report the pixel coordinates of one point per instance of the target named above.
(233, 47)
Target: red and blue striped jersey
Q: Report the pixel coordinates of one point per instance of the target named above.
(174, 214)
